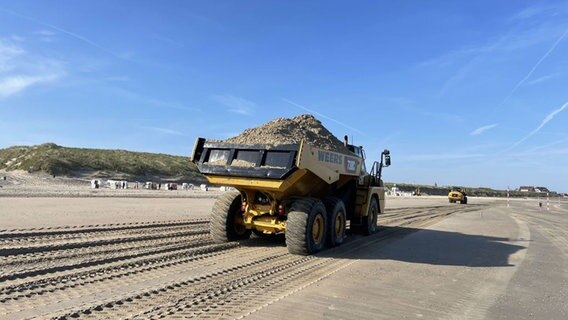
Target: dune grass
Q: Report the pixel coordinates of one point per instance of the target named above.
(57, 160)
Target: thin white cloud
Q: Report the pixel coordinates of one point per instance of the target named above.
(472, 57)
(168, 40)
(18, 38)
(548, 145)
(8, 52)
(547, 119)
(442, 156)
(15, 84)
(408, 106)
(529, 12)
(458, 76)
(468, 158)
(449, 58)
(118, 78)
(164, 130)
(324, 116)
(540, 11)
(466, 68)
(505, 43)
(528, 75)
(20, 70)
(236, 104)
(399, 100)
(150, 100)
(482, 129)
(541, 153)
(47, 39)
(67, 32)
(541, 79)
(45, 33)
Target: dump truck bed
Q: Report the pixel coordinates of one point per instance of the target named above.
(276, 162)
(239, 160)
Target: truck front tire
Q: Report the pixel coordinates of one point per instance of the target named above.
(336, 220)
(306, 227)
(370, 221)
(226, 219)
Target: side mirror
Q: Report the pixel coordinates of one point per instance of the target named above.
(386, 153)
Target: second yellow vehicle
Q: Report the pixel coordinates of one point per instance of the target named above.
(457, 195)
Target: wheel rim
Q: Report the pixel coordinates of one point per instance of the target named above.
(317, 229)
(339, 225)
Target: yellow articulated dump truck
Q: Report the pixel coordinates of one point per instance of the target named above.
(307, 193)
(457, 195)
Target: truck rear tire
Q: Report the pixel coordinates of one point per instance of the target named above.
(306, 227)
(336, 215)
(226, 219)
(370, 221)
(464, 201)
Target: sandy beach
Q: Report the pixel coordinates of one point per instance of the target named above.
(67, 251)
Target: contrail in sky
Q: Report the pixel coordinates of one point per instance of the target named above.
(481, 130)
(69, 33)
(520, 83)
(324, 116)
(549, 117)
(557, 142)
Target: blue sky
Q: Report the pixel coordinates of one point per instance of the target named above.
(471, 92)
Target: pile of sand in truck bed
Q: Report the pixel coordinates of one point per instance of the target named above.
(291, 130)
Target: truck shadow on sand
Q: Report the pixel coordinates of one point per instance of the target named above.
(430, 247)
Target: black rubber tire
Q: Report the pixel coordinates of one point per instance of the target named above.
(223, 227)
(464, 200)
(301, 217)
(451, 201)
(335, 207)
(370, 221)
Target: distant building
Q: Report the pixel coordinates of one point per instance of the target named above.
(534, 189)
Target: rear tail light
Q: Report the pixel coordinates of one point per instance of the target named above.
(280, 209)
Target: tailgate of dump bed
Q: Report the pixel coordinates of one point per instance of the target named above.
(245, 160)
